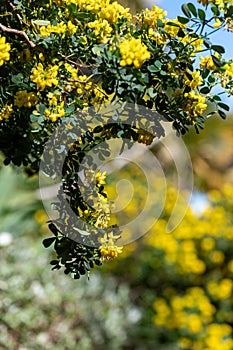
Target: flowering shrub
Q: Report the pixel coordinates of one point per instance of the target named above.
(58, 57)
(183, 280)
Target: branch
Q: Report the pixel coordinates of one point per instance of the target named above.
(14, 9)
(19, 32)
(75, 63)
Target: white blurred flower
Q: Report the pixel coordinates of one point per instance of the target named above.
(5, 239)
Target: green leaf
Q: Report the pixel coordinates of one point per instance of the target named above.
(218, 48)
(173, 24)
(160, 23)
(207, 43)
(156, 67)
(192, 9)
(201, 14)
(40, 22)
(229, 12)
(70, 109)
(53, 229)
(183, 20)
(82, 15)
(222, 114)
(42, 108)
(217, 98)
(214, 9)
(186, 11)
(48, 241)
(205, 90)
(224, 106)
(216, 61)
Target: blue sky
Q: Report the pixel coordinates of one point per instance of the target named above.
(173, 8)
(224, 38)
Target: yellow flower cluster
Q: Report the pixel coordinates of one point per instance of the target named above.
(25, 99)
(109, 249)
(150, 17)
(4, 50)
(194, 43)
(223, 4)
(195, 81)
(173, 29)
(102, 30)
(190, 311)
(207, 62)
(5, 111)
(220, 290)
(195, 104)
(59, 28)
(104, 9)
(44, 77)
(133, 51)
(112, 12)
(56, 108)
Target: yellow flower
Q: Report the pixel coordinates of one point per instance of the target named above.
(228, 69)
(100, 177)
(56, 108)
(44, 77)
(150, 17)
(217, 23)
(133, 51)
(207, 62)
(5, 111)
(194, 323)
(207, 243)
(195, 81)
(217, 257)
(102, 30)
(194, 104)
(195, 43)
(173, 30)
(25, 99)
(4, 50)
(112, 12)
(59, 28)
(110, 252)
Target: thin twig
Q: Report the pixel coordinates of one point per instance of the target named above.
(18, 32)
(14, 9)
(80, 81)
(75, 63)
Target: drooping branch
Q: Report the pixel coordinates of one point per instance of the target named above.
(17, 32)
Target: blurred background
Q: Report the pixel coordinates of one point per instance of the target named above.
(165, 291)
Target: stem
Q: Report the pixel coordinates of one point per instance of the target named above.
(18, 32)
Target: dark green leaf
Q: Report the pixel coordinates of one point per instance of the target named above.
(54, 262)
(205, 90)
(218, 48)
(224, 106)
(229, 12)
(217, 98)
(215, 9)
(183, 20)
(222, 114)
(207, 43)
(201, 14)
(48, 241)
(186, 11)
(192, 9)
(216, 61)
